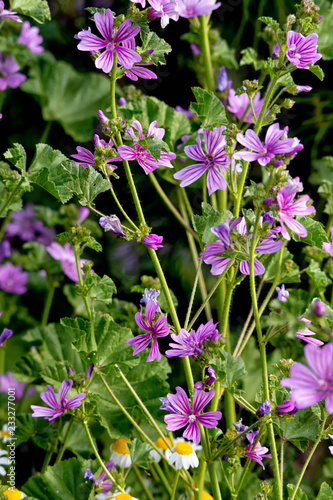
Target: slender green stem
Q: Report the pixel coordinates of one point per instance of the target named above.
(48, 304)
(11, 196)
(201, 479)
(282, 462)
(163, 478)
(141, 481)
(309, 457)
(206, 51)
(77, 261)
(175, 485)
(224, 449)
(2, 360)
(230, 488)
(47, 460)
(214, 481)
(194, 289)
(241, 479)
(64, 443)
(4, 225)
(107, 472)
(46, 132)
(143, 407)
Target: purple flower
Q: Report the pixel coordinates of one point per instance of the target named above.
(155, 328)
(302, 50)
(195, 49)
(112, 42)
(58, 406)
(263, 152)
(259, 451)
(150, 294)
(164, 9)
(192, 344)
(287, 407)
(208, 381)
(5, 336)
(82, 214)
(303, 88)
(267, 217)
(89, 370)
(140, 71)
(182, 413)
(288, 208)
(13, 279)
(153, 241)
(31, 38)
(328, 247)
(25, 225)
(141, 154)
(239, 426)
(122, 101)
(113, 224)
(283, 294)
(187, 112)
(193, 8)
(222, 81)
(8, 13)
(105, 485)
(5, 249)
(264, 408)
(85, 157)
(66, 257)
(310, 384)
(320, 308)
(239, 105)
(7, 381)
(9, 73)
(214, 161)
(306, 334)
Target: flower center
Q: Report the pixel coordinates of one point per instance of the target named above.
(293, 52)
(192, 418)
(209, 162)
(111, 46)
(5, 434)
(160, 443)
(120, 447)
(13, 494)
(121, 496)
(183, 448)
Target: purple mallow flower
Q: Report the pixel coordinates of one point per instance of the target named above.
(7, 381)
(155, 326)
(25, 225)
(141, 154)
(182, 414)
(31, 38)
(113, 224)
(320, 308)
(101, 482)
(288, 208)
(264, 408)
(58, 406)
(306, 334)
(65, 255)
(214, 161)
(8, 13)
(239, 105)
(259, 452)
(192, 344)
(302, 50)
(193, 8)
(112, 42)
(310, 384)
(287, 407)
(9, 73)
(150, 294)
(263, 152)
(165, 10)
(153, 241)
(209, 379)
(13, 279)
(84, 157)
(283, 294)
(239, 426)
(6, 334)
(328, 247)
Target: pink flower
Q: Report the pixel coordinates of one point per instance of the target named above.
(259, 452)
(153, 241)
(30, 37)
(8, 13)
(302, 50)
(194, 8)
(164, 9)
(9, 73)
(66, 257)
(239, 104)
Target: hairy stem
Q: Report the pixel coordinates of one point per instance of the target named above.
(64, 443)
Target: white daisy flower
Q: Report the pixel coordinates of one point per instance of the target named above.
(120, 453)
(115, 496)
(3, 461)
(161, 445)
(5, 434)
(14, 494)
(183, 454)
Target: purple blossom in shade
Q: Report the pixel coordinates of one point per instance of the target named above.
(276, 50)
(267, 217)
(13, 279)
(288, 208)
(5, 249)
(89, 370)
(150, 294)
(209, 380)
(112, 223)
(24, 225)
(303, 88)
(263, 152)
(195, 49)
(328, 247)
(192, 344)
(7, 381)
(58, 406)
(164, 9)
(193, 8)
(320, 308)
(142, 155)
(306, 334)
(239, 426)
(183, 414)
(287, 407)
(214, 161)
(259, 452)
(310, 384)
(222, 80)
(187, 112)
(8, 13)
(122, 101)
(112, 42)
(9, 73)
(153, 241)
(155, 328)
(302, 50)
(31, 38)
(82, 214)
(283, 294)
(6, 334)
(89, 475)
(85, 157)
(65, 255)
(264, 408)
(239, 105)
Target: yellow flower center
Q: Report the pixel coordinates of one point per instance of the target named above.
(13, 494)
(120, 447)
(205, 496)
(183, 448)
(160, 443)
(121, 496)
(5, 434)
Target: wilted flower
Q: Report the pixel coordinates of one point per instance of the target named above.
(259, 451)
(302, 50)
(283, 294)
(13, 279)
(31, 38)
(9, 73)
(153, 241)
(150, 294)
(112, 223)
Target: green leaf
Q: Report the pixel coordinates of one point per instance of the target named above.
(305, 426)
(224, 55)
(140, 453)
(318, 276)
(60, 481)
(288, 270)
(77, 441)
(209, 218)
(316, 70)
(37, 9)
(152, 41)
(208, 108)
(270, 22)
(250, 56)
(325, 43)
(325, 493)
(102, 289)
(154, 146)
(36, 429)
(17, 156)
(66, 96)
(300, 495)
(316, 232)
(92, 243)
(228, 369)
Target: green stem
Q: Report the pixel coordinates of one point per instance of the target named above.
(309, 458)
(282, 462)
(46, 132)
(214, 481)
(47, 460)
(141, 481)
(77, 261)
(230, 488)
(11, 196)
(201, 479)
(241, 479)
(194, 289)
(163, 478)
(224, 449)
(175, 485)
(205, 47)
(64, 443)
(48, 304)
(4, 225)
